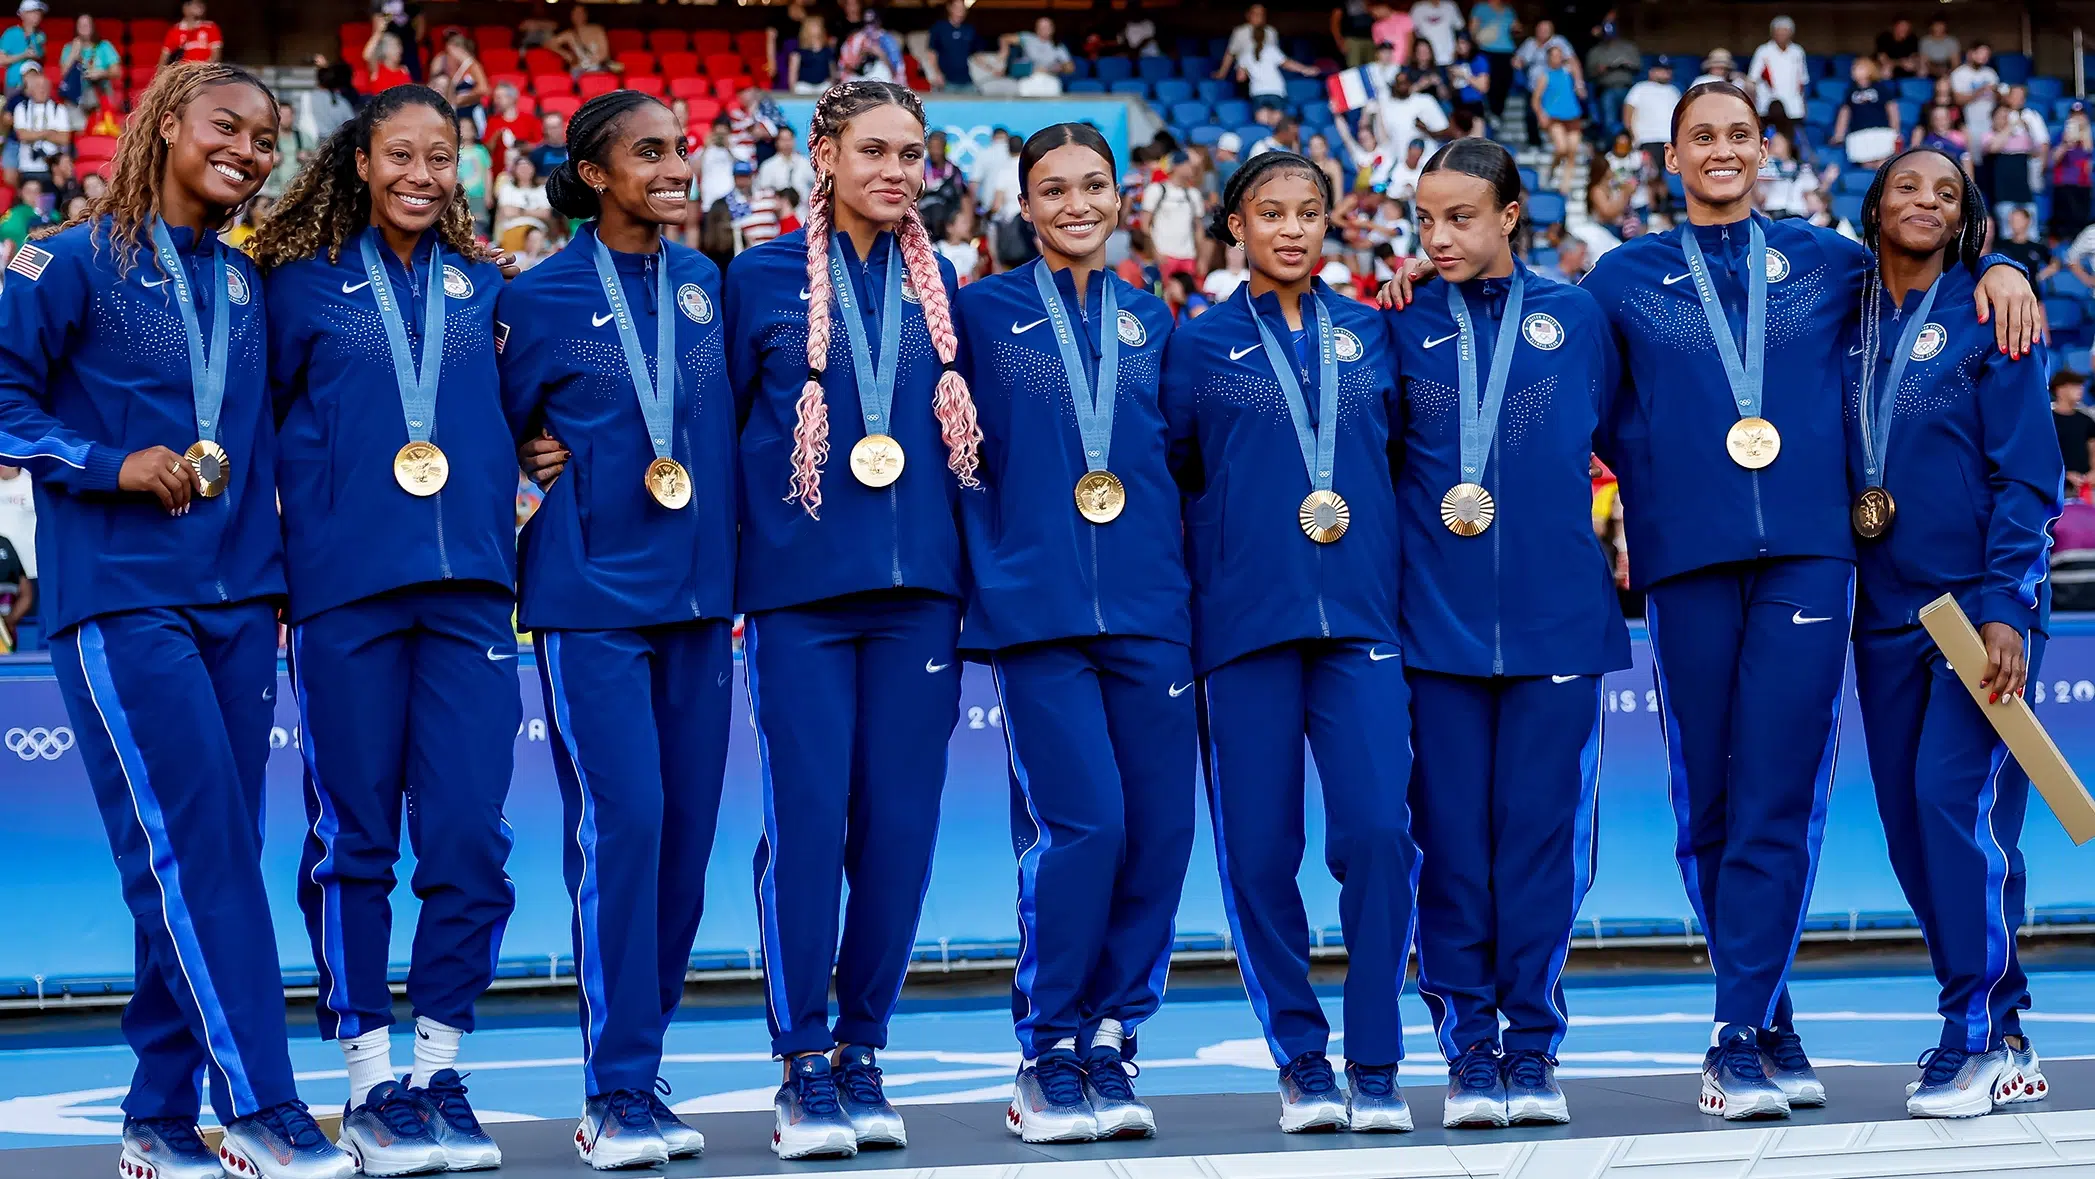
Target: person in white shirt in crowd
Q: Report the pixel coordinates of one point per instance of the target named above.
(1647, 113)
(1719, 66)
(1975, 86)
(1785, 181)
(41, 127)
(1286, 136)
(1778, 73)
(1402, 184)
(1223, 281)
(715, 164)
(788, 166)
(1049, 58)
(960, 247)
(1245, 39)
(1173, 208)
(1939, 50)
(1404, 115)
(1262, 66)
(2017, 101)
(1436, 22)
(18, 529)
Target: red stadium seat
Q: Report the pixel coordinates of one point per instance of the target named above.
(625, 41)
(141, 76)
(753, 45)
(552, 84)
(645, 83)
(494, 37)
(690, 88)
(723, 65)
(706, 41)
(668, 41)
(678, 65)
(702, 113)
(437, 33)
(501, 61)
(543, 61)
(93, 149)
(154, 32)
(111, 30)
(592, 85)
(516, 78)
(730, 85)
(526, 104)
(564, 105)
(637, 61)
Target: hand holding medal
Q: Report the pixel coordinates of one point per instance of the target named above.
(209, 465)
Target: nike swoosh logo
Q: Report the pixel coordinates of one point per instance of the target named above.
(804, 296)
(601, 320)
(1241, 353)
(1019, 329)
(1800, 620)
(1562, 679)
(722, 681)
(1177, 691)
(353, 288)
(1670, 279)
(1440, 341)
(1377, 656)
(1854, 351)
(934, 666)
(495, 657)
(149, 285)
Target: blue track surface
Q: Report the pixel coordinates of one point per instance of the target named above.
(64, 1096)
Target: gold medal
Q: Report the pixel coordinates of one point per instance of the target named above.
(1873, 513)
(669, 483)
(1753, 442)
(1100, 497)
(877, 460)
(421, 469)
(1324, 516)
(211, 466)
(1467, 509)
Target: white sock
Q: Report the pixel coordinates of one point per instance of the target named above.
(436, 1049)
(370, 1060)
(1109, 1035)
(1716, 1034)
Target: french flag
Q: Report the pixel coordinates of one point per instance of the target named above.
(1350, 90)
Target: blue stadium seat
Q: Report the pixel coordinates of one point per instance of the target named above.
(1078, 68)
(1847, 207)
(1306, 90)
(1216, 48)
(2064, 286)
(1084, 86)
(1205, 135)
(1233, 112)
(1675, 187)
(1843, 64)
(1909, 113)
(2044, 90)
(1213, 90)
(1317, 114)
(1197, 66)
(2060, 108)
(1854, 180)
(1189, 114)
(1179, 135)
(1114, 69)
(2067, 316)
(1917, 89)
(1188, 46)
(1530, 180)
(1832, 90)
(1173, 90)
(1545, 208)
(1542, 258)
(2013, 68)
(1134, 86)
(1155, 69)
(1816, 65)
(1251, 133)
(1818, 110)
(1301, 48)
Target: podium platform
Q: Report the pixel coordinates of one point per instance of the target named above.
(1645, 1127)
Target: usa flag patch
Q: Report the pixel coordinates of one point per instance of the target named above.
(30, 261)
(501, 336)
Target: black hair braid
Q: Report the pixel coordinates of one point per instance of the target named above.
(1247, 179)
(589, 136)
(1970, 243)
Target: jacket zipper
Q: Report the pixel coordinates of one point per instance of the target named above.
(1498, 595)
(1098, 610)
(1760, 522)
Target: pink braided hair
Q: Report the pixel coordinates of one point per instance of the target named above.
(952, 403)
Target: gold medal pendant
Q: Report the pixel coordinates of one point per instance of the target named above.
(1467, 509)
(211, 466)
(877, 460)
(1100, 497)
(1753, 442)
(1324, 516)
(1873, 512)
(421, 469)
(669, 483)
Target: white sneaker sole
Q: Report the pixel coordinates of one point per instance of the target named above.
(2012, 1087)
(1380, 1121)
(839, 1143)
(1472, 1115)
(1759, 1105)
(2028, 1085)
(1322, 1115)
(882, 1136)
(1039, 1135)
(1132, 1121)
(610, 1160)
(381, 1169)
(1537, 1111)
(240, 1166)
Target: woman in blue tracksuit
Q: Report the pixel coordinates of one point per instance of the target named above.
(1080, 597)
(628, 576)
(133, 387)
(1279, 404)
(841, 342)
(1732, 329)
(399, 530)
(1509, 620)
(1957, 478)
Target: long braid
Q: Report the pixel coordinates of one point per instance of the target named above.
(953, 404)
(811, 412)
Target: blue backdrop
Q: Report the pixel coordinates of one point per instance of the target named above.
(969, 122)
(66, 918)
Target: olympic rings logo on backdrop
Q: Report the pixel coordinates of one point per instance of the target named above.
(39, 743)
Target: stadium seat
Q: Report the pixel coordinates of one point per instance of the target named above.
(92, 150)
(527, 104)
(1545, 208)
(1304, 90)
(516, 78)
(1084, 86)
(1173, 90)
(140, 76)
(1318, 114)
(1204, 135)
(2044, 90)
(690, 87)
(661, 41)
(501, 61)
(1909, 112)
(564, 105)
(703, 110)
(1132, 86)
(637, 61)
(552, 84)
(1842, 65)
(1233, 112)
(154, 32)
(675, 64)
(1197, 67)
(1189, 114)
(2013, 68)
(1855, 181)
(1542, 258)
(1833, 90)
(644, 83)
(1821, 111)
(1917, 89)
(753, 45)
(1214, 90)
(721, 65)
(625, 41)
(488, 37)
(1530, 180)
(2061, 107)
(2067, 316)
(1847, 207)
(592, 85)
(1153, 69)
(544, 61)
(729, 85)
(1114, 69)
(705, 41)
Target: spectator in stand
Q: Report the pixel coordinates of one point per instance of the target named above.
(293, 149)
(953, 41)
(1616, 196)
(1531, 62)
(1263, 68)
(1223, 281)
(2072, 175)
(788, 166)
(2005, 175)
(1778, 73)
(1573, 258)
(1939, 51)
(1403, 116)
(2069, 413)
(1868, 121)
(520, 202)
(1785, 182)
(193, 38)
(1352, 32)
(332, 101)
(1425, 74)
(713, 168)
(788, 210)
(1392, 27)
(1172, 208)
(23, 42)
(2017, 246)
(782, 35)
(2016, 99)
(88, 67)
(1138, 36)
(1436, 22)
(870, 51)
(31, 212)
(1898, 51)
(1647, 112)
(1557, 104)
(1182, 295)
(1371, 158)
(1943, 97)
(458, 76)
(532, 248)
(959, 245)
(1719, 66)
(509, 129)
(18, 528)
(1944, 132)
(1048, 58)
(1493, 26)
(40, 127)
(1286, 136)
(476, 174)
(584, 44)
(1319, 153)
(1246, 39)
(1140, 267)
(17, 590)
(1975, 86)
(384, 60)
(405, 18)
(63, 182)
(945, 188)
(551, 150)
(1229, 155)
(1470, 75)
(814, 63)
(1402, 185)
(1612, 67)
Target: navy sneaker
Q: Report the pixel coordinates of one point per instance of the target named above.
(1109, 1086)
(389, 1134)
(282, 1142)
(683, 1141)
(166, 1148)
(1048, 1101)
(1476, 1089)
(466, 1144)
(1734, 1085)
(1782, 1058)
(1532, 1094)
(810, 1119)
(864, 1100)
(1310, 1098)
(617, 1130)
(1373, 1101)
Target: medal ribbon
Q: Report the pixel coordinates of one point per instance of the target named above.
(1745, 375)
(1878, 405)
(1319, 446)
(207, 369)
(657, 396)
(876, 389)
(417, 390)
(1094, 406)
(1480, 413)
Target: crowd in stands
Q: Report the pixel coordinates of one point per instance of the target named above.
(1369, 98)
